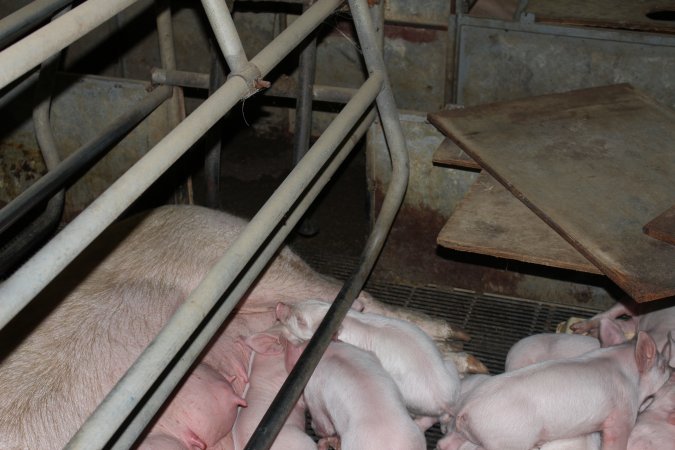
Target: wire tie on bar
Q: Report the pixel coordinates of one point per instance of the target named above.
(253, 77)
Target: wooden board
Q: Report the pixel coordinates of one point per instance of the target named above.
(663, 226)
(449, 154)
(489, 220)
(595, 164)
(639, 15)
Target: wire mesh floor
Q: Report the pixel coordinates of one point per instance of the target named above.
(494, 322)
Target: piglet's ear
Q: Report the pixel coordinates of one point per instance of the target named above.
(265, 344)
(358, 305)
(610, 333)
(283, 311)
(645, 352)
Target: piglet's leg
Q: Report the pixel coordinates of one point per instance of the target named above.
(329, 442)
(615, 431)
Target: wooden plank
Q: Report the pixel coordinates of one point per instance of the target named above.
(595, 164)
(449, 154)
(489, 220)
(643, 15)
(663, 226)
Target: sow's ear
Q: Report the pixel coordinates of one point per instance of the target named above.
(358, 305)
(645, 352)
(265, 344)
(283, 311)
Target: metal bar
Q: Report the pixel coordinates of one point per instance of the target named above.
(55, 36)
(18, 88)
(284, 87)
(30, 15)
(123, 398)
(167, 54)
(180, 78)
(303, 117)
(32, 234)
(274, 53)
(169, 383)
(226, 34)
(18, 290)
(292, 388)
(213, 140)
(83, 158)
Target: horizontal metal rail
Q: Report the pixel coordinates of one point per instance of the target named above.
(18, 290)
(22, 20)
(55, 36)
(82, 159)
(284, 87)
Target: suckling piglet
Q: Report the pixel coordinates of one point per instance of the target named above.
(267, 372)
(352, 398)
(429, 386)
(601, 390)
(548, 346)
(202, 416)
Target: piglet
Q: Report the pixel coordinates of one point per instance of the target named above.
(656, 320)
(352, 398)
(546, 347)
(591, 441)
(428, 385)
(601, 390)
(267, 372)
(202, 413)
(655, 427)
(456, 441)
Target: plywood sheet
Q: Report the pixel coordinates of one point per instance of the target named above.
(663, 226)
(491, 221)
(595, 164)
(449, 154)
(643, 15)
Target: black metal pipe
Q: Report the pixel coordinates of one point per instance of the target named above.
(213, 141)
(303, 116)
(83, 158)
(180, 78)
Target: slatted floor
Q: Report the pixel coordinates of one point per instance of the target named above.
(495, 323)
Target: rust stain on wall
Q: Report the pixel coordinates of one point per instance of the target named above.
(411, 34)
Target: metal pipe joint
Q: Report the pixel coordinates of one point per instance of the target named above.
(253, 78)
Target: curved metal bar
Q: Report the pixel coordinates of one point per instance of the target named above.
(30, 236)
(85, 157)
